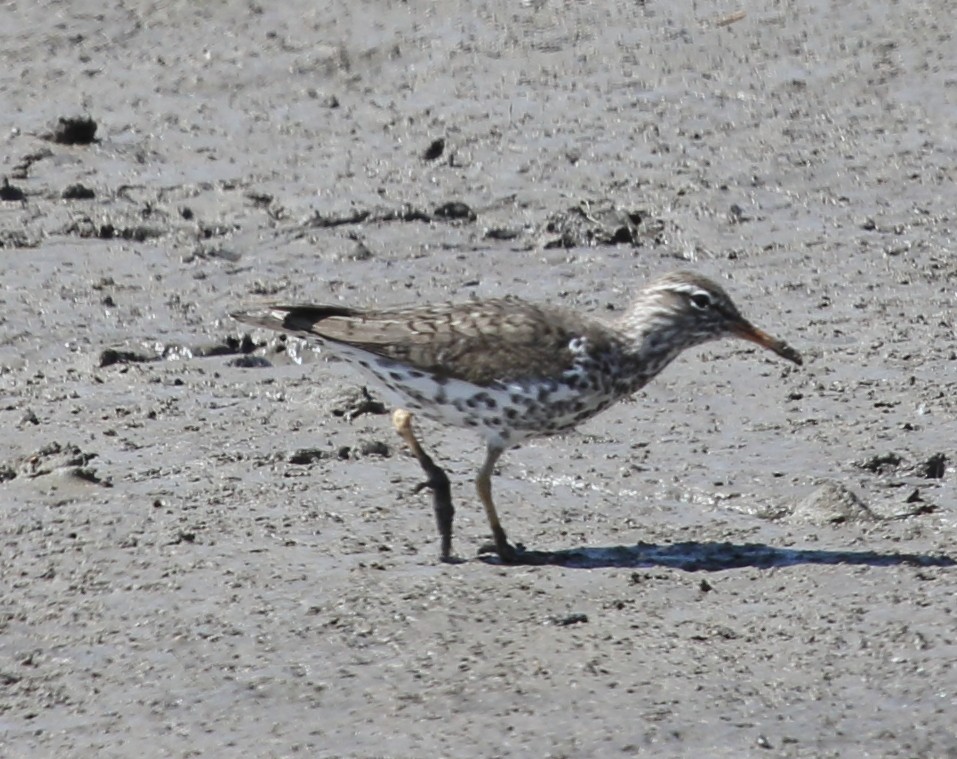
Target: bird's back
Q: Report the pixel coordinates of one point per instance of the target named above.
(480, 342)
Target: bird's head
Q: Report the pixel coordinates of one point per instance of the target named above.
(684, 309)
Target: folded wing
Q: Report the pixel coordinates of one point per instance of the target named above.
(480, 342)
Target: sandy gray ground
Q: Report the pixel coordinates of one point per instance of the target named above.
(173, 584)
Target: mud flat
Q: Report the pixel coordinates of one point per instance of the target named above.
(208, 550)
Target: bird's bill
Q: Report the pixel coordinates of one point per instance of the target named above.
(747, 331)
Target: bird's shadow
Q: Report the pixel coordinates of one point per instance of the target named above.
(693, 556)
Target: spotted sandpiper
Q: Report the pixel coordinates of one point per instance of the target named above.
(512, 370)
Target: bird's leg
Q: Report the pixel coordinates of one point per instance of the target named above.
(483, 483)
(437, 481)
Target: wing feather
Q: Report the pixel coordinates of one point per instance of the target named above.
(482, 341)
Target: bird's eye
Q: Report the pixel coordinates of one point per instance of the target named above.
(701, 301)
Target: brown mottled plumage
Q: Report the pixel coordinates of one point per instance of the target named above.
(512, 369)
(478, 342)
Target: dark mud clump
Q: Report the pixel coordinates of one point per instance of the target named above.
(76, 130)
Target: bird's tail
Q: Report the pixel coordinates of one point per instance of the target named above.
(295, 320)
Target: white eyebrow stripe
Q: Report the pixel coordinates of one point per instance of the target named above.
(684, 288)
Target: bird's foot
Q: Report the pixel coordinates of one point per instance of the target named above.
(437, 482)
(516, 555)
(503, 549)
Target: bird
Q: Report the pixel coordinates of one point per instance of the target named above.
(511, 369)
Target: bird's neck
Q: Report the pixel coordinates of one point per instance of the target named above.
(652, 338)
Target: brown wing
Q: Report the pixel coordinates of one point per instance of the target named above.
(480, 341)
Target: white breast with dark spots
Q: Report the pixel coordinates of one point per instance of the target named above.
(587, 388)
(504, 412)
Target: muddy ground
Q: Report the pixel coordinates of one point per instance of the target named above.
(203, 555)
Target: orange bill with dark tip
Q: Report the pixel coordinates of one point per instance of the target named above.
(748, 331)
